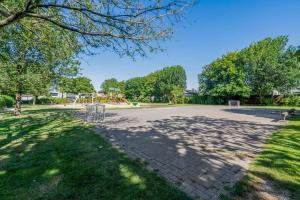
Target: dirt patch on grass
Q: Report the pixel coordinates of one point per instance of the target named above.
(264, 190)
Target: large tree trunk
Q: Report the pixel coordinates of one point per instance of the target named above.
(17, 110)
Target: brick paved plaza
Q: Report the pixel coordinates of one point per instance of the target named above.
(201, 149)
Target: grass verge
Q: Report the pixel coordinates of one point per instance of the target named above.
(48, 154)
(275, 173)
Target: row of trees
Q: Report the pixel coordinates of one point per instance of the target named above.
(258, 70)
(164, 85)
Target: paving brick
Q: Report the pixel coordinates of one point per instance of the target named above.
(198, 148)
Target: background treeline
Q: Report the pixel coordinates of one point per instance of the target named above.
(165, 85)
(252, 75)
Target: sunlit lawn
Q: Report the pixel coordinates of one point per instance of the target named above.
(47, 154)
(278, 163)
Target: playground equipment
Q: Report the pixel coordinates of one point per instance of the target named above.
(84, 98)
(95, 112)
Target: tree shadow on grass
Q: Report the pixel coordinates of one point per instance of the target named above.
(57, 158)
(280, 160)
(276, 171)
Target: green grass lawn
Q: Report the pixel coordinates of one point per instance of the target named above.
(278, 163)
(48, 154)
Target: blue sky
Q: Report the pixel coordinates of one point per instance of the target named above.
(208, 30)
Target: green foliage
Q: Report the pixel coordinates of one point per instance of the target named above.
(259, 69)
(164, 85)
(112, 83)
(51, 100)
(291, 101)
(177, 95)
(31, 59)
(166, 80)
(6, 101)
(206, 100)
(126, 27)
(135, 89)
(83, 85)
(76, 85)
(270, 67)
(223, 77)
(277, 164)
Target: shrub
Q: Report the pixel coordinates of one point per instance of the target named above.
(291, 101)
(6, 101)
(269, 101)
(52, 100)
(205, 99)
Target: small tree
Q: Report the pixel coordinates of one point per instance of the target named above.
(38, 85)
(166, 79)
(134, 89)
(177, 95)
(30, 58)
(111, 83)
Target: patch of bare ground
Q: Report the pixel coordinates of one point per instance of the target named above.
(264, 190)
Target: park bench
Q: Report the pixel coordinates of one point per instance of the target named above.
(95, 112)
(287, 113)
(234, 103)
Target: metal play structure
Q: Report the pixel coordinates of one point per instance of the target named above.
(94, 112)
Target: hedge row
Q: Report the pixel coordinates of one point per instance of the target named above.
(292, 100)
(52, 100)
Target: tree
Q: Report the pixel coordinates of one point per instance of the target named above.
(158, 85)
(127, 27)
(108, 84)
(38, 84)
(27, 57)
(83, 85)
(134, 89)
(269, 66)
(76, 85)
(166, 79)
(224, 78)
(259, 69)
(177, 94)
(288, 76)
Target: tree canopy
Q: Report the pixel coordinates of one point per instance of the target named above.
(76, 85)
(259, 69)
(112, 83)
(163, 85)
(29, 60)
(126, 27)
(224, 78)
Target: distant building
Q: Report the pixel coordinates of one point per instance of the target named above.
(293, 91)
(189, 93)
(100, 93)
(296, 90)
(54, 92)
(26, 97)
